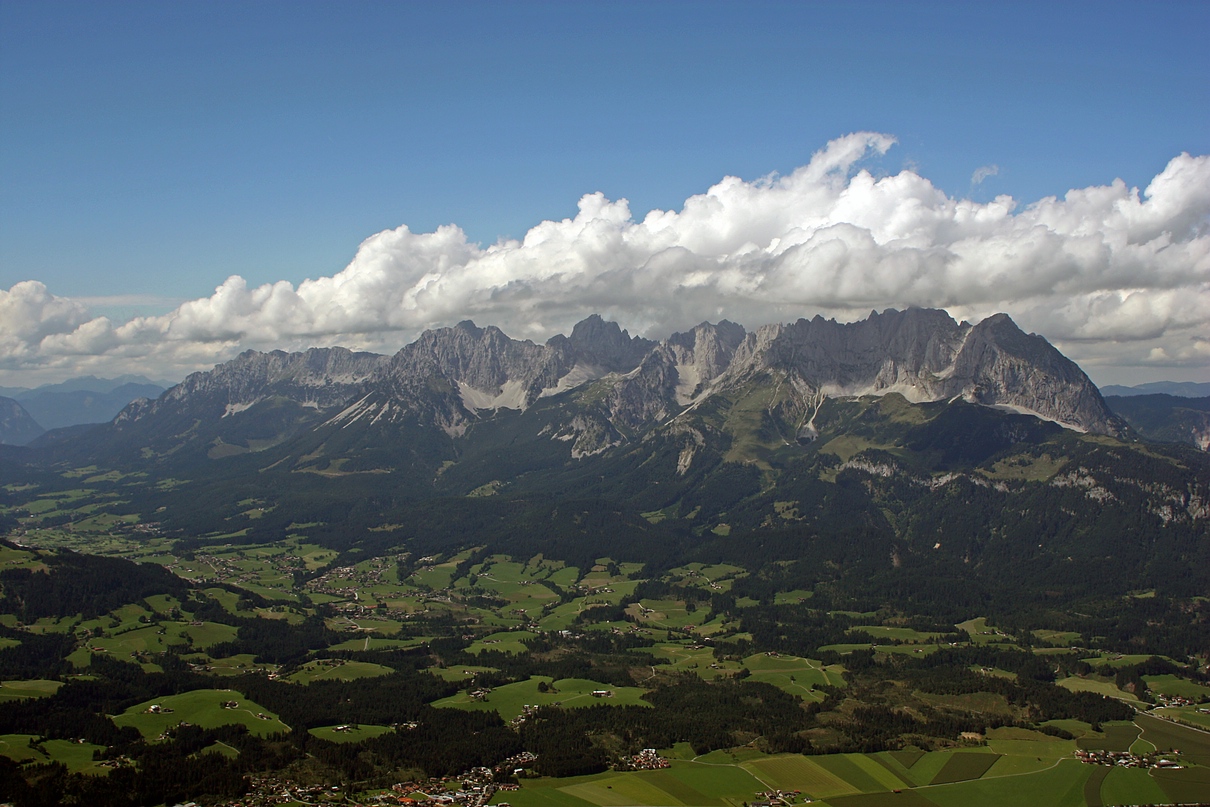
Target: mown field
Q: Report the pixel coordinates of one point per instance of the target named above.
(1016, 767)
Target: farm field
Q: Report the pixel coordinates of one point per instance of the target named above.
(30, 748)
(348, 733)
(201, 707)
(1192, 715)
(20, 690)
(510, 700)
(336, 670)
(1172, 685)
(1017, 767)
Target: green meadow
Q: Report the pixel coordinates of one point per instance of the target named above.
(510, 700)
(505, 642)
(31, 749)
(1015, 767)
(348, 733)
(336, 670)
(20, 690)
(201, 707)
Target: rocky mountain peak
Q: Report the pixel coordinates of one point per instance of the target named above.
(925, 355)
(1001, 365)
(599, 343)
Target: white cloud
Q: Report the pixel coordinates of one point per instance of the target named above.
(1116, 276)
(983, 172)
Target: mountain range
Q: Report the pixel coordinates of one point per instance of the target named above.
(1180, 389)
(616, 387)
(88, 399)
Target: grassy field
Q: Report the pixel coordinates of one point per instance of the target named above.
(797, 676)
(459, 672)
(964, 766)
(20, 690)
(509, 700)
(1166, 735)
(201, 707)
(685, 783)
(1016, 767)
(29, 748)
(682, 657)
(900, 634)
(801, 773)
(1131, 786)
(1191, 715)
(336, 670)
(1115, 736)
(983, 633)
(349, 734)
(1097, 684)
(1172, 685)
(1059, 786)
(504, 642)
(1188, 786)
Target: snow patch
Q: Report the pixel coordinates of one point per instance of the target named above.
(577, 375)
(687, 379)
(914, 393)
(511, 396)
(1022, 410)
(351, 411)
(236, 408)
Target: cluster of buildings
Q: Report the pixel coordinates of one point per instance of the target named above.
(527, 711)
(1125, 759)
(348, 581)
(473, 788)
(269, 791)
(776, 798)
(648, 760)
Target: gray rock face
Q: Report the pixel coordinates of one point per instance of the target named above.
(465, 370)
(450, 377)
(894, 351)
(999, 365)
(926, 356)
(318, 378)
(602, 344)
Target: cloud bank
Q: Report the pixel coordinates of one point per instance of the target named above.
(1119, 278)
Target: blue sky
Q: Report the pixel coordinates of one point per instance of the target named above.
(150, 150)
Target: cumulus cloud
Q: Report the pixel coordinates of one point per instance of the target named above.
(1116, 276)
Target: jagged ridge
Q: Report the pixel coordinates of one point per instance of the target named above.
(453, 377)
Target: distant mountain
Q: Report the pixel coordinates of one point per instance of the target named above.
(85, 400)
(1183, 389)
(1167, 418)
(84, 383)
(16, 426)
(596, 390)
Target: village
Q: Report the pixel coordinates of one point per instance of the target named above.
(1126, 759)
(473, 788)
